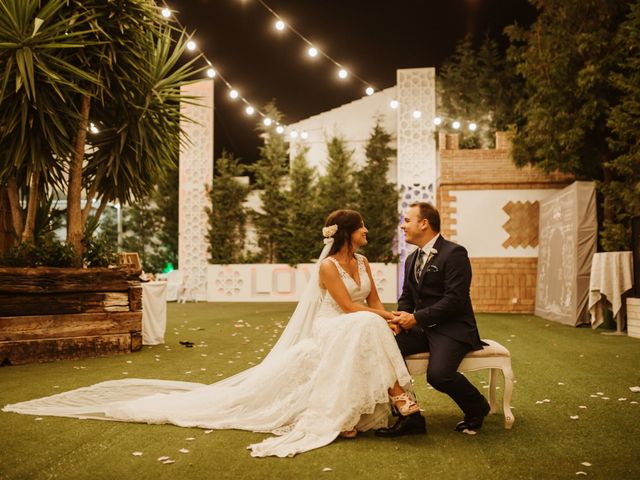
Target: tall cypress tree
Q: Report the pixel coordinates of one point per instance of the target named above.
(270, 175)
(337, 187)
(227, 215)
(377, 197)
(624, 121)
(305, 224)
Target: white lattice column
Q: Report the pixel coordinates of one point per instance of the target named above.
(416, 92)
(196, 172)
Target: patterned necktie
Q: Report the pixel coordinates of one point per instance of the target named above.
(419, 264)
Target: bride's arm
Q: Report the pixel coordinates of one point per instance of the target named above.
(330, 279)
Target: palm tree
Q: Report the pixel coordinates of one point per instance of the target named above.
(89, 101)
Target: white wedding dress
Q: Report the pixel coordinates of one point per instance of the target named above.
(329, 372)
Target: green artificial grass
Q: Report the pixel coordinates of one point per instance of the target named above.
(569, 367)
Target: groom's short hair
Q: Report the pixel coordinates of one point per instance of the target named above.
(429, 212)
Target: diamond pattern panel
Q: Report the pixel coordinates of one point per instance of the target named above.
(522, 225)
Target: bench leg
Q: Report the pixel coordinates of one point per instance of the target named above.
(508, 391)
(493, 377)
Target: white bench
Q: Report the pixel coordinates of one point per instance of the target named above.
(494, 357)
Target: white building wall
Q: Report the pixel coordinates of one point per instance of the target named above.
(353, 121)
(480, 218)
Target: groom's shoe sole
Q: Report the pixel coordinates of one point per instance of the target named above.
(471, 425)
(411, 425)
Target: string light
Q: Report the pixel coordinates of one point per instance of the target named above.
(312, 52)
(93, 128)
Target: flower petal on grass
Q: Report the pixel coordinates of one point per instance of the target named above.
(163, 458)
(582, 406)
(622, 399)
(581, 473)
(38, 419)
(635, 389)
(168, 462)
(574, 417)
(586, 464)
(183, 450)
(207, 432)
(327, 469)
(137, 454)
(190, 439)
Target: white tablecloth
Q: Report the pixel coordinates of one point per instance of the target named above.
(154, 312)
(611, 277)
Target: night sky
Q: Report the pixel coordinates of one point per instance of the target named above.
(371, 38)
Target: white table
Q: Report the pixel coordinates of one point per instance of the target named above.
(611, 276)
(154, 312)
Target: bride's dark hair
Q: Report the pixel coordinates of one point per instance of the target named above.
(347, 221)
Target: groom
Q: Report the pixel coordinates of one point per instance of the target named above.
(436, 316)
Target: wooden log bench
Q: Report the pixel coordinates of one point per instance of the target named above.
(63, 313)
(494, 357)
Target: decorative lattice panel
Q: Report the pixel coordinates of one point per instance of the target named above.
(196, 172)
(522, 225)
(416, 91)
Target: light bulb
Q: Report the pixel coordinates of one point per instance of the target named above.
(456, 125)
(166, 13)
(343, 73)
(280, 129)
(267, 121)
(473, 127)
(293, 134)
(250, 110)
(280, 25)
(234, 94)
(437, 121)
(369, 91)
(211, 73)
(312, 52)
(393, 104)
(191, 45)
(416, 114)
(304, 135)
(93, 128)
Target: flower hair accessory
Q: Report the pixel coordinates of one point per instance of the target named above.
(330, 231)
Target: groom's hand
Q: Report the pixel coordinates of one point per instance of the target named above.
(406, 320)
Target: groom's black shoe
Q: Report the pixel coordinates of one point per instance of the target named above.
(413, 424)
(472, 423)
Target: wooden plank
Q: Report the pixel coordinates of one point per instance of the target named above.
(74, 325)
(31, 351)
(135, 298)
(59, 303)
(59, 280)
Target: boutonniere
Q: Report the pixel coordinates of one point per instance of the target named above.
(432, 253)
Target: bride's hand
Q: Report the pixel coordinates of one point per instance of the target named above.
(395, 328)
(386, 315)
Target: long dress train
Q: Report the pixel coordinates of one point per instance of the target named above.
(328, 373)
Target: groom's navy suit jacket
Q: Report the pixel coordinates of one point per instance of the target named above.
(440, 299)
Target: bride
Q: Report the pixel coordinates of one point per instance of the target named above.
(331, 372)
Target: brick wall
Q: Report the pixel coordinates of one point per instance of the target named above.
(500, 284)
(504, 284)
